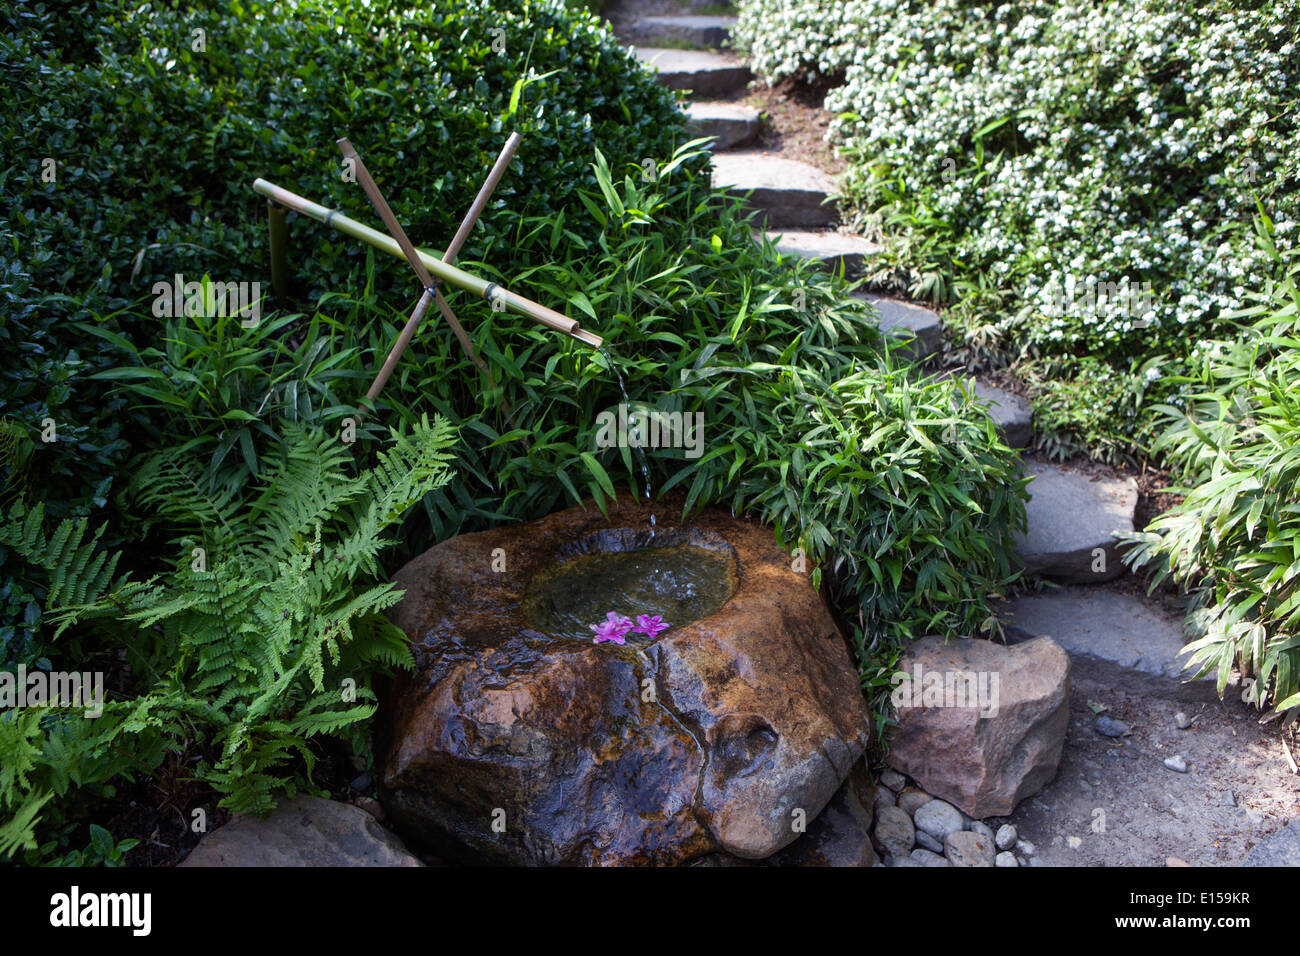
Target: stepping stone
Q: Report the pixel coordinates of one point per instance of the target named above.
(787, 192)
(1009, 411)
(831, 250)
(907, 320)
(698, 31)
(1071, 524)
(732, 123)
(708, 74)
(306, 831)
(1125, 641)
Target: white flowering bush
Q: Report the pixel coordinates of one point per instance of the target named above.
(807, 39)
(1079, 179)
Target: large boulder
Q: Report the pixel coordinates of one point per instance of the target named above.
(981, 725)
(841, 834)
(519, 746)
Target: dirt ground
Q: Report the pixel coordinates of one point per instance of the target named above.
(1121, 804)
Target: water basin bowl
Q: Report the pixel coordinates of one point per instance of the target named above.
(516, 739)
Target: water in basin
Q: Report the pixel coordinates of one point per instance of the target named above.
(680, 582)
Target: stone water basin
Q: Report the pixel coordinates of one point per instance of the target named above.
(518, 740)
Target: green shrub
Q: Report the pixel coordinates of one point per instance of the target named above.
(1016, 155)
(1234, 540)
(156, 145)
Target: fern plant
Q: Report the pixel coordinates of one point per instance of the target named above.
(262, 637)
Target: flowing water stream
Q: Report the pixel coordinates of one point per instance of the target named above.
(638, 446)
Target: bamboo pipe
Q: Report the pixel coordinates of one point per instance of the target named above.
(421, 307)
(279, 249)
(490, 291)
(481, 200)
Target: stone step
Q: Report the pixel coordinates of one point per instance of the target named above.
(705, 74)
(1009, 411)
(1071, 524)
(829, 249)
(699, 31)
(734, 124)
(1125, 641)
(907, 320)
(786, 192)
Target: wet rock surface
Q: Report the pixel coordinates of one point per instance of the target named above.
(513, 745)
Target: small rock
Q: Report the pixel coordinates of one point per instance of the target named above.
(1174, 861)
(361, 783)
(938, 818)
(1176, 763)
(1074, 842)
(1006, 859)
(968, 848)
(927, 842)
(884, 798)
(912, 800)
(1025, 847)
(897, 861)
(926, 858)
(1109, 727)
(371, 806)
(1229, 798)
(894, 832)
(894, 780)
(1006, 837)
(983, 829)
(305, 831)
(1183, 721)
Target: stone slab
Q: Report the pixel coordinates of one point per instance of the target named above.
(1072, 519)
(1122, 640)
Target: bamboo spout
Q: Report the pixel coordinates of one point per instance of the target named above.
(446, 272)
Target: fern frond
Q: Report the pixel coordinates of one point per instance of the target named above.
(79, 572)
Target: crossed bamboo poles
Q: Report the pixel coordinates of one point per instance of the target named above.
(429, 269)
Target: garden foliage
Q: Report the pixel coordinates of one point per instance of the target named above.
(1076, 179)
(897, 488)
(261, 635)
(1234, 541)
